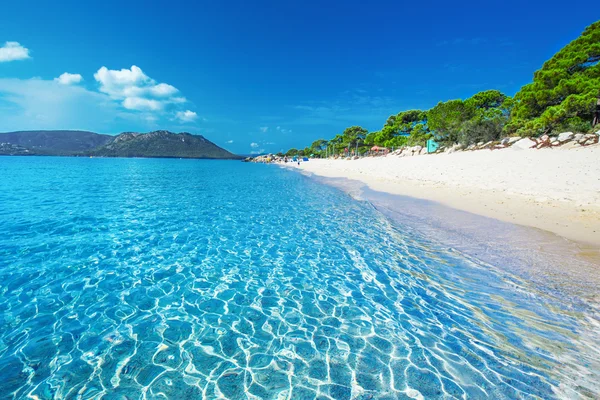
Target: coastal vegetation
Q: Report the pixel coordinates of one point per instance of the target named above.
(562, 97)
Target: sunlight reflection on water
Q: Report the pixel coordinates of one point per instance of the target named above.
(189, 279)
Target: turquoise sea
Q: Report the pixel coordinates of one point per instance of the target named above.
(189, 279)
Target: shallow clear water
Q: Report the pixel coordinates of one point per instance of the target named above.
(183, 279)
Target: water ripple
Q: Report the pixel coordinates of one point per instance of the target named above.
(186, 279)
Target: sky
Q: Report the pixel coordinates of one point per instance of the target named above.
(264, 76)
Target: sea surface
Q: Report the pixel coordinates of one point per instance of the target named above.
(189, 279)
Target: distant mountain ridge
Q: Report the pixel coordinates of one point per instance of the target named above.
(128, 144)
(55, 142)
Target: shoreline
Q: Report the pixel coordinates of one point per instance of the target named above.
(561, 269)
(554, 190)
(557, 267)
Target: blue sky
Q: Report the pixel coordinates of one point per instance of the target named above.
(263, 76)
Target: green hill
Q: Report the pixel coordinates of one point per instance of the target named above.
(80, 143)
(51, 142)
(161, 144)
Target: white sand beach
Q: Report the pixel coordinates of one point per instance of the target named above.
(553, 189)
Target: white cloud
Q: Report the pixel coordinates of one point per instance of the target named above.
(120, 83)
(136, 90)
(163, 90)
(283, 130)
(186, 116)
(126, 99)
(229, 141)
(12, 51)
(260, 151)
(47, 104)
(68, 79)
(254, 145)
(141, 104)
(264, 129)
